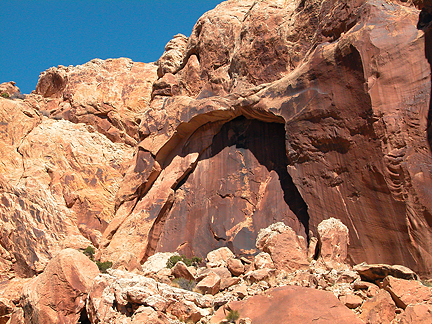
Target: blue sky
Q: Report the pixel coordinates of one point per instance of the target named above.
(36, 35)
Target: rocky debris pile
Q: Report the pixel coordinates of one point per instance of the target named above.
(261, 288)
(170, 288)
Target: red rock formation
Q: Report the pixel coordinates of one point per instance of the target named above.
(340, 103)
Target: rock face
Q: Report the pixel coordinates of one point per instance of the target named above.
(296, 117)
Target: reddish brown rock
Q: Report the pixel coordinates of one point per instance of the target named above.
(147, 315)
(180, 270)
(263, 260)
(418, 314)
(286, 249)
(289, 305)
(380, 309)
(373, 272)
(58, 295)
(407, 292)
(210, 284)
(172, 59)
(260, 275)
(351, 300)
(235, 266)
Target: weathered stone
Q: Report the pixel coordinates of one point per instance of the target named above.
(333, 239)
(187, 311)
(180, 270)
(260, 275)
(379, 309)
(58, 294)
(147, 315)
(219, 257)
(416, 314)
(156, 262)
(407, 292)
(10, 90)
(172, 59)
(235, 266)
(351, 300)
(210, 284)
(287, 251)
(228, 282)
(263, 260)
(372, 272)
(290, 304)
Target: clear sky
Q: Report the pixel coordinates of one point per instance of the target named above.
(36, 35)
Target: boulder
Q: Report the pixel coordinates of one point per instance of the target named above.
(287, 250)
(407, 292)
(333, 239)
(373, 272)
(235, 266)
(416, 314)
(210, 284)
(147, 315)
(263, 260)
(351, 301)
(172, 59)
(180, 270)
(156, 262)
(379, 309)
(219, 257)
(290, 304)
(58, 295)
(10, 90)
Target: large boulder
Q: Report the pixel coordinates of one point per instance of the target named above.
(333, 238)
(290, 304)
(287, 250)
(58, 295)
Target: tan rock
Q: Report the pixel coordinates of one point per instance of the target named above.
(172, 59)
(379, 309)
(59, 293)
(219, 257)
(263, 260)
(10, 90)
(260, 275)
(284, 246)
(187, 311)
(235, 266)
(407, 292)
(156, 262)
(210, 284)
(333, 239)
(228, 282)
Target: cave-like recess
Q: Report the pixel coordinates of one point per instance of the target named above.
(239, 185)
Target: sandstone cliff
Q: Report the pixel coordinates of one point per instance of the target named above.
(271, 111)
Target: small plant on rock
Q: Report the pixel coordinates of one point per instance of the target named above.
(5, 95)
(89, 251)
(184, 283)
(194, 261)
(232, 316)
(104, 266)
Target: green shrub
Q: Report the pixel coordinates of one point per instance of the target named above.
(89, 251)
(5, 95)
(195, 261)
(233, 316)
(104, 266)
(185, 284)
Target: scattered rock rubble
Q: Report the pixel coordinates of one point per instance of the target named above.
(259, 289)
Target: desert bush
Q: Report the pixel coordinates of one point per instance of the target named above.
(89, 251)
(232, 316)
(104, 266)
(194, 261)
(5, 95)
(184, 283)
